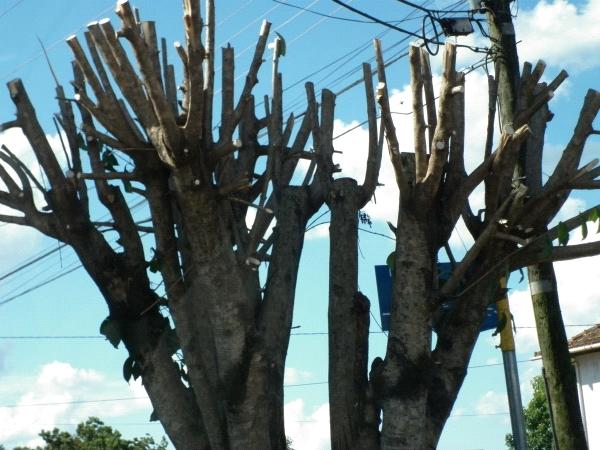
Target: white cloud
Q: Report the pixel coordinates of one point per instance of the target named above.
(561, 33)
(49, 393)
(578, 294)
(308, 431)
(492, 402)
(20, 240)
(571, 207)
(293, 376)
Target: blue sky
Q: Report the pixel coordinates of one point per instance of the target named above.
(50, 374)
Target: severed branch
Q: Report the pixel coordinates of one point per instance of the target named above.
(375, 150)
(168, 137)
(194, 71)
(556, 190)
(429, 95)
(252, 75)
(492, 99)
(382, 97)
(209, 70)
(439, 148)
(16, 220)
(416, 82)
(35, 135)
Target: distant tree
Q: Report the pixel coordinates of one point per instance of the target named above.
(288, 443)
(537, 419)
(93, 434)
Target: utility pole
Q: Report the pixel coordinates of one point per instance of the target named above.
(552, 338)
(511, 372)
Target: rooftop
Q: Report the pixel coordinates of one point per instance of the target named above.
(586, 338)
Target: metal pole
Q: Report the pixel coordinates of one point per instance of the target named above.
(511, 372)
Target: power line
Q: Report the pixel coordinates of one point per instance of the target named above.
(345, 19)
(299, 333)
(379, 21)
(121, 399)
(10, 8)
(46, 253)
(48, 48)
(39, 285)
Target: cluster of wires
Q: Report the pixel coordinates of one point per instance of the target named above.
(334, 73)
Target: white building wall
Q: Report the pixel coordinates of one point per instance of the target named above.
(588, 378)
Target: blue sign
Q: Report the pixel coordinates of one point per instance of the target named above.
(383, 278)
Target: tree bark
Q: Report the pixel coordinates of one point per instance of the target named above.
(407, 365)
(351, 425)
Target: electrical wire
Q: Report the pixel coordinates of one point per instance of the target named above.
(48, 48)
(317, 13)
(298, 333)
(10, 8)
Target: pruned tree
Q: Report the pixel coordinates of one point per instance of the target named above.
(215, 378)
(415, 385)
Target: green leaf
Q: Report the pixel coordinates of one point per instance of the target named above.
(594, 215)
(501, 324)
(111, 329)
(172, 341)
(282, 48)
(547, 248)
(563, 234)
(127, 186)
(81, 142)
(128, 368)
(153, 417)
(155, 263)
(109, 161)
(584, 228)
(136, 370)
(183, 373)
(391, 261)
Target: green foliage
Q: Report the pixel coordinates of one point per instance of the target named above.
(109, 160)
(131, 369)
(94, 435)
(288, 443)
(154, 263)
(563, 234)
(112, 330)
(537, 419)
(391, 261)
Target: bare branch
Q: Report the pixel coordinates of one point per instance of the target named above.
(492, 98)
(374, 156)
(439, 150)
(390, 130)
(461, 269)
(416, 82)
(107, 176)
(35, 134)
(252, 75)
(429, 95)
(194, 71)
(17, 220)
(169, 135)
(209, 77)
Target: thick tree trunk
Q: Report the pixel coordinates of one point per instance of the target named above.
(352, 425)
(407, 367)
